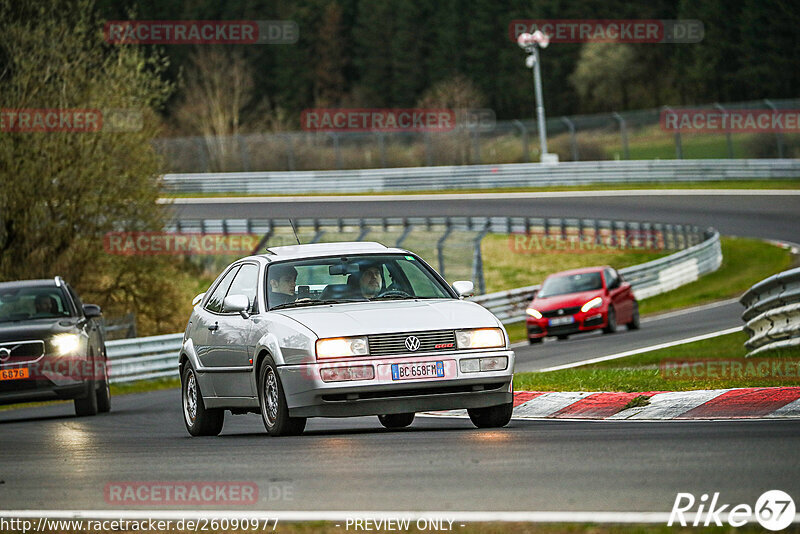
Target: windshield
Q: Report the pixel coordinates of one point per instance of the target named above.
(351, 279)
(572, 283)
(32, 303)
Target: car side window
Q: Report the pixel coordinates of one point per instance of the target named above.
(214, 303)
(246, 283)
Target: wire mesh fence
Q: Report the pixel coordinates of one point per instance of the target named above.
(606, 136)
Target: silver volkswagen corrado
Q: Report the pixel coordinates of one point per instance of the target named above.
(341, 330)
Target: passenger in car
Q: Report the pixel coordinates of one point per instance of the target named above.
(282, 279)
(45, 305)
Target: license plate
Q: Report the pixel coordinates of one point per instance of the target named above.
(409, 371)
(14, 374)
(562, 320)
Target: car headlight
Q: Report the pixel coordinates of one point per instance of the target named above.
(480, 338)
(594, 303)
(339, 347)
(66, 343)
(534, 313)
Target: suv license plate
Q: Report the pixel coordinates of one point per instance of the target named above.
(14, 374)
(410, 371)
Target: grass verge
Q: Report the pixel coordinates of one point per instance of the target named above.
(657, 371)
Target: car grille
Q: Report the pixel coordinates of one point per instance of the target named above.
(21, 351)
(564, 311)
(384, 344)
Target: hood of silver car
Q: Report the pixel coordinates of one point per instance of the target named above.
(366, 318)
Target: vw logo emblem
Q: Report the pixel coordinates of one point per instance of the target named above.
(412, 343)
(5, 354)
(561, 312)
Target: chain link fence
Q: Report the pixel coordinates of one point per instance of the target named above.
(605, 136)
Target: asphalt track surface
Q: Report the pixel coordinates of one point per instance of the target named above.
(52, 460)
(770, 215)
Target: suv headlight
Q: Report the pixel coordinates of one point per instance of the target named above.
(66, 343)
(339, 347)
(594, 303)
(480, 338)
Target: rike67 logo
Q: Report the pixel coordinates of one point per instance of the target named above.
(774, 510)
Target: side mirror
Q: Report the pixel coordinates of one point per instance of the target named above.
(464, 288)
(198, 299)
(92, 311)
(236, 303)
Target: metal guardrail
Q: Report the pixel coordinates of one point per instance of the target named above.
(156, 357)
(648, 279)
(481, 176)
(143, 358)
(772, 312)
(568, 232)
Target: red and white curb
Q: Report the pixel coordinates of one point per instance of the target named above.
(737, 403)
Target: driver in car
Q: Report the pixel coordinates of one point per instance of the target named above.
(370, 280)
(282, 279)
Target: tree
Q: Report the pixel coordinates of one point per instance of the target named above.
(63, 191)
(219, 85)
(607, 75)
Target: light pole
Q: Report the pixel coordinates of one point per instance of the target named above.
(531, 43)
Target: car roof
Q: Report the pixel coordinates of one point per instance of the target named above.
(582, 270)
(43, 282)
(314, 250)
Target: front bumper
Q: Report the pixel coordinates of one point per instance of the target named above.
(308, 396)
(584, 322)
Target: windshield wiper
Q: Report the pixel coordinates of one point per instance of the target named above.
(301, 303)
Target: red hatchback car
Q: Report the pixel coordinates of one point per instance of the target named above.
(581, 300)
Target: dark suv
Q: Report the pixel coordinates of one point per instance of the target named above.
(51, 346)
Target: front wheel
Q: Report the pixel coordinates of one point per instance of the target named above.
(611, 324)
(397, 420)
(199, 420)
(88, 404)
(491, 417)
(103, 391)
(274, 410)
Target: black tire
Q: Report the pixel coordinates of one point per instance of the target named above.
(271, 398)
(611, 327)
(562, 337)
(199, 420)
(397, 420)
(635, 323)
(103, 391)
(491, 417)
(87, 404)
(535, 340)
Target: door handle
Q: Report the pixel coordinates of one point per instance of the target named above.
(214, 327)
